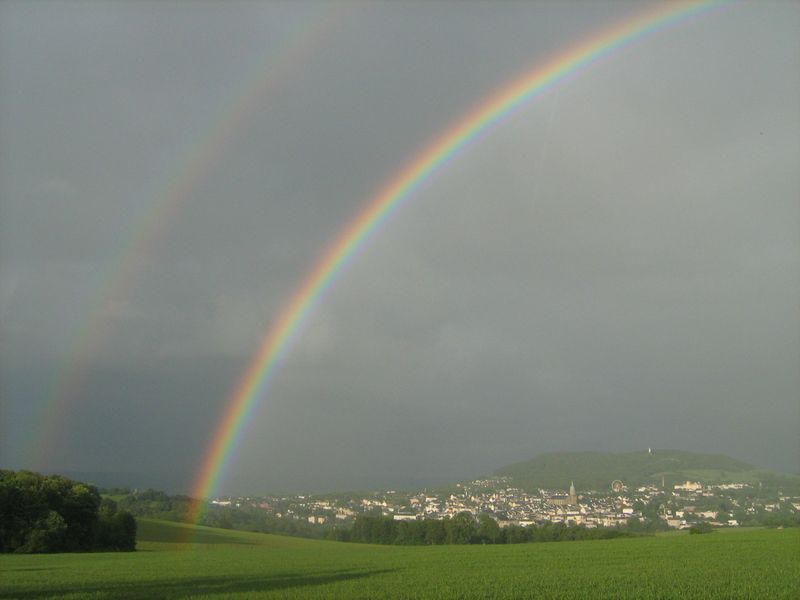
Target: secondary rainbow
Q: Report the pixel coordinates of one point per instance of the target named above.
(123, 268)
(255, 381)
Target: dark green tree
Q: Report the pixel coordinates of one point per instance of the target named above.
(50, 513)
(488, 530)
(700, 528)
(461, 529)
(435, 532)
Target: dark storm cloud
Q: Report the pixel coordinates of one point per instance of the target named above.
(613, 267)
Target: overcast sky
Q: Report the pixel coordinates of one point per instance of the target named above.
(615, 266)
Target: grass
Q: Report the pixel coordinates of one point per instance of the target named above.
(228, 564)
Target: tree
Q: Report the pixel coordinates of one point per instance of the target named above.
(116, 530)
(435, 532)
(45, 535)
(514, 534)
(488, 530)
(50, 513)
(461, 529)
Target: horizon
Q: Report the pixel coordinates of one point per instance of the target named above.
(168, 481)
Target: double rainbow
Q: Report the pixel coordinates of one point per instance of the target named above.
(255, 381)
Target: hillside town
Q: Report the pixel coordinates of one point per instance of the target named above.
(677, 507)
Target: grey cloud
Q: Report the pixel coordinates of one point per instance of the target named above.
(613, 266)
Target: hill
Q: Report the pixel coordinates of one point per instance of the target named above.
(596, 470)
(158, 534)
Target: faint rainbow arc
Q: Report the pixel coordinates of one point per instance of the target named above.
(255, 381)
(132, 254)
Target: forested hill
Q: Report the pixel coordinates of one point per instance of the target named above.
(596, 470)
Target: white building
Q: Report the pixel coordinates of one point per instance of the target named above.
(689, 486)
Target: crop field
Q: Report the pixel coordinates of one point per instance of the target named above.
(218, 563)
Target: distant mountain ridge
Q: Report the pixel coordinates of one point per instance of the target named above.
(596, 470)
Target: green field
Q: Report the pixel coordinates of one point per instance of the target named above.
(226, 564)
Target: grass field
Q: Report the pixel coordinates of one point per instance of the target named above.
(225, 564)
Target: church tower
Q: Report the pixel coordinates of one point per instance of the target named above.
(573, 495)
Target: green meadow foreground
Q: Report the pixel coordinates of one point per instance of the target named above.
(218, 563)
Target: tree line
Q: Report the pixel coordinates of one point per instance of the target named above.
(50, 513)
(155, 504)
(463, 528)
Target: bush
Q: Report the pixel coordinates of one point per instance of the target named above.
(116, 530)
(46, 535)
(699, 528)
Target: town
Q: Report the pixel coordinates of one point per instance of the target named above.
(676, 507)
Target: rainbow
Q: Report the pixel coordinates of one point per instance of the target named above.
(255, 381)
(302, 39)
